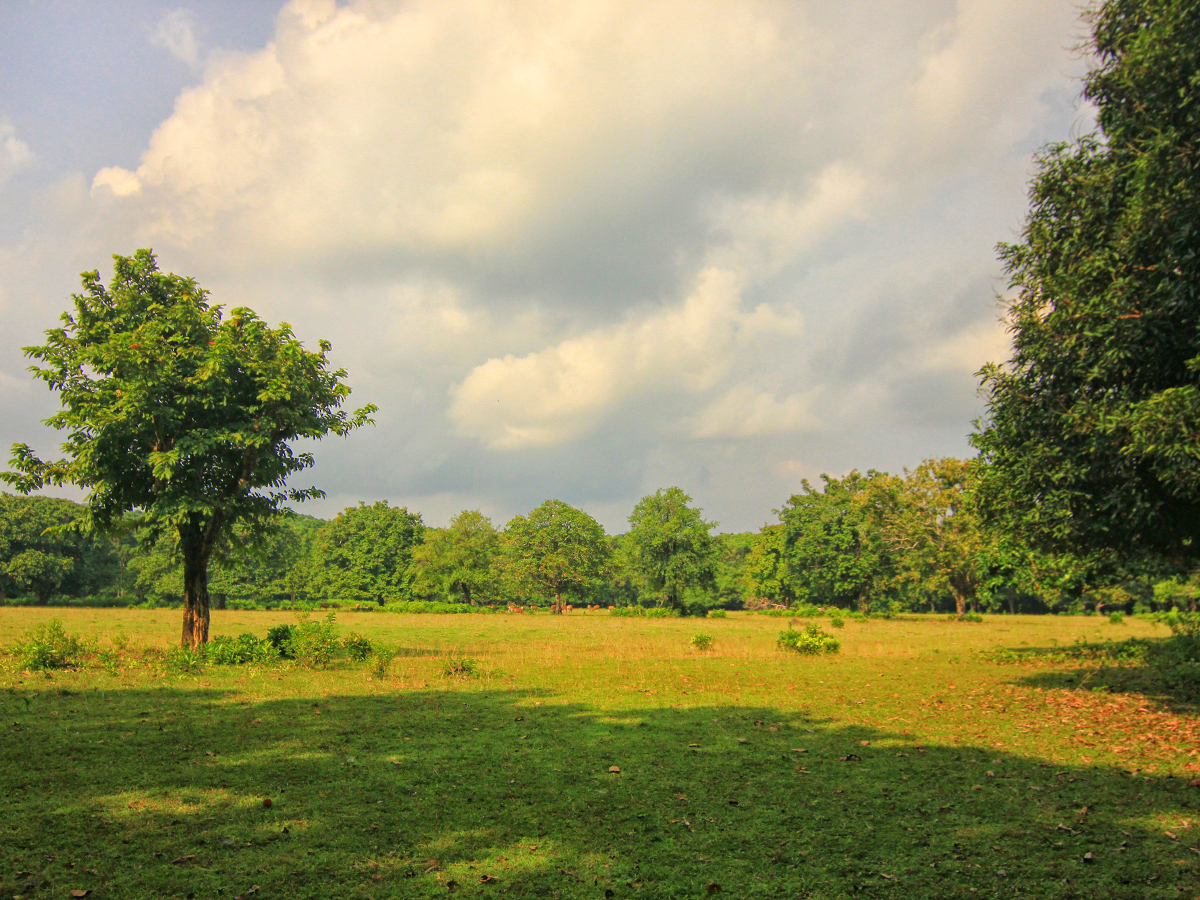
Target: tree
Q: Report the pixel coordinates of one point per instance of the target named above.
(927, 519)
(833, 548)
(40, 555)
(555, 550)
(179, 414)
(457, 561)
(1092, 432)
(766, 571)
(669, 546)
(367, 551)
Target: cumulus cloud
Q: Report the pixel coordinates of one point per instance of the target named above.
(14, 152)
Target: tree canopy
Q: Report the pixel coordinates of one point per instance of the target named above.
(180, 414)
(669, 546)
(1092, 433)
(367, 551)
(457, 561)
(555, 550)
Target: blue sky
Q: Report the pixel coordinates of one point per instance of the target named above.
(580, 250)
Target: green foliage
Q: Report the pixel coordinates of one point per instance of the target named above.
(555, 550)
(812, 640)
(185, 660)
(280, 637)
(456, 563)
(766, 568)
(224, 650)
(367, 552)
(717, 614)
(701, 641)
(971, 617)
(182, 415)
(1092, 435)
(357, 647)
(50, 647)
(837, 622)
(832, 547)
(381, 659)
(668, 546)
(313, 644)
(43, 554)
(1116, 618)
(434, 606)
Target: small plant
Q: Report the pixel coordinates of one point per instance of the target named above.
(717, 614)
(972, 617)
(811, 641)
(381, 659)
(661, 612)
(185, 660)
(357, 647)
(1116, 618)
(50, 647)
(837, 622)
(701, 641)
(120, 642)
(313, 644)
(224, 650)
(460, 667)
(280, 637)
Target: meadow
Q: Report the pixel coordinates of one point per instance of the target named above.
(598, 757)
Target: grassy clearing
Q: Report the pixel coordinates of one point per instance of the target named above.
(905, 766)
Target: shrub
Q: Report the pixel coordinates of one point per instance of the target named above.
(357, 647)
(224, 650)
(314, 644)
(812, 640)
(807, 610)
(972, 617)
(433, 606)
(626, 612)
(717, 614)
(185, 660)
(661, 612)
(280, 637)
(1116, 618)
(702, 641)
(460, 667)
(837, 622)
(50, 647)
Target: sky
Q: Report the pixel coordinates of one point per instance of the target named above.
(572, 249)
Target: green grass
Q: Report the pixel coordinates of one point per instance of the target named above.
(907, 766)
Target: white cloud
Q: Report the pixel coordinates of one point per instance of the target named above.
(14, 152)
(586, 233)
(176, 33)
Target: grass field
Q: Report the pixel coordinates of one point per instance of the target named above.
(907, 766)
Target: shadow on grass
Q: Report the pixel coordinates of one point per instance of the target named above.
(159, 793)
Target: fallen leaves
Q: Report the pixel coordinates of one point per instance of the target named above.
(615, 770)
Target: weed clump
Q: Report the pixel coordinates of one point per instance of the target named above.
(460, 667)
(50, 647)
(313, 644)
(701, 641)
(717, 614)
(1116, 618)
(837, 622)
(357, 647)
(810, 641)
(224, 650)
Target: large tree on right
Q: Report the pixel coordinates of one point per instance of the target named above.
(1092, 435)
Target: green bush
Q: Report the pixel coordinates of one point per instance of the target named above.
(185, 660)
(357, 647)
(381, 659)
(50, 647)
(837, 622)
(717, 614)
(626, 612)
(1116, 618)
(224, 650)
(661, 612)
(972, 617)
(702, 641)
(433, 606)
(313, 644)
(280, 637)
(812, 640)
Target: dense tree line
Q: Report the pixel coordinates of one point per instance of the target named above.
(875, 542)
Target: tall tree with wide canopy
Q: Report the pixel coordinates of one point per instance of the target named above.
(555, 550)
(457, 561)
(669, 546)
(1092, 434)
(367, 552)
(179, 414)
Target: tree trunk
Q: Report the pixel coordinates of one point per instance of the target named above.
(864, 603)
(557, 608)
(1012, 604)
(960, 604)
(195, 595)
(466, 589)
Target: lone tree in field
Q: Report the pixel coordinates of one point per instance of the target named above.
(669, 546)
(556, 549)
(1092, 436)
(180, 415)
